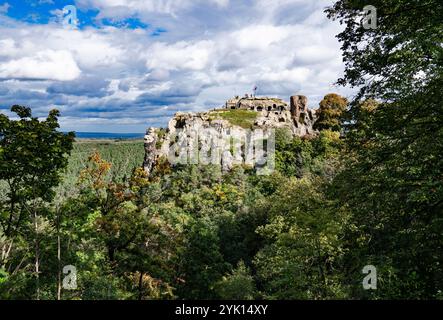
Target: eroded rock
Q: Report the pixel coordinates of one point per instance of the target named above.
(183, 129)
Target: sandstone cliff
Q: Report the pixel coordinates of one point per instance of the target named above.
(236, 121)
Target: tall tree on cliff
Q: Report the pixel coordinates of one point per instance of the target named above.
(394, 178)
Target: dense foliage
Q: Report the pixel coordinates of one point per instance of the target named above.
(185, 232)
(330, 112)
(367, 190)
(394, 168)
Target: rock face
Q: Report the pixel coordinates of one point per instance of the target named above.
(257, 104)
(304, 117)
(180, 140)
(151, 153)
(298, 105)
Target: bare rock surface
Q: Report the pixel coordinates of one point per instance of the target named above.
(183, 129)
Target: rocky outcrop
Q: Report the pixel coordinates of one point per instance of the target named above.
(299, 104)
(303, 117)
(181, 144)
(151, 152)
(257, 104)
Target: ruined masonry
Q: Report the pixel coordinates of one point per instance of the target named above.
(271, 113)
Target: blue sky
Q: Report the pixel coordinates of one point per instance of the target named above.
(44, 12)
(132, 64)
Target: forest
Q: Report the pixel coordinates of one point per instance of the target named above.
(366, 191)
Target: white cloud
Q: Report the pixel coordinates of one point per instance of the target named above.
(4, 8)
(48, 64)
(91, 48)
(315, 54)
(7, 47)
(296, 76)
(210, 52)
(259, 36)
(171, 7)
(180, 55)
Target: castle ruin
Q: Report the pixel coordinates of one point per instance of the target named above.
(271, 113)
(275, 111)
(257, 104)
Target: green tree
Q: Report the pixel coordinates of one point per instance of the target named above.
(238, 285)
(330, 112)
(292, 154)
(303, 251)
(140, 245)
(393, 178)
(32, 155)
(299, 157)
(203, 264)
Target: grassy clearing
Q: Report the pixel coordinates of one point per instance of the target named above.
(237, 117)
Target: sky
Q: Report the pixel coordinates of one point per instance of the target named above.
(126, 65)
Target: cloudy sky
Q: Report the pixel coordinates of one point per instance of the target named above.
(131, 64)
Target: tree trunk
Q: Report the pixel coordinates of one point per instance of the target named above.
(59, 275)
(111, 253)
(321, 271)
(140, 286)
(37, 254)
(11, 210)
(6, 250)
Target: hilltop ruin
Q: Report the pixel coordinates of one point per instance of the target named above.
(262, 113)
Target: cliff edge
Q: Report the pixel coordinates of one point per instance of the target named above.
(236, 120)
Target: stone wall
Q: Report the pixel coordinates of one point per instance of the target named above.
(272, 113)
(258, 104)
